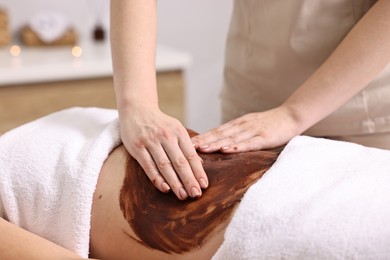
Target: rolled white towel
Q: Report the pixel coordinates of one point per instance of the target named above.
(49, 170)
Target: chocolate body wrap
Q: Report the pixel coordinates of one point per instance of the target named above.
(163, 222)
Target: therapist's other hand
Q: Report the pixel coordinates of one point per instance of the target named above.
(251, 132)
(164, 149)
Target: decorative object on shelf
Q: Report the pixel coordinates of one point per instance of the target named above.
(5, 35)
(96, 9)
(98, 33)
(48, 29)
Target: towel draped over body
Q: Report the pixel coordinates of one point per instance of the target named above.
(49, 170)
(321, 199)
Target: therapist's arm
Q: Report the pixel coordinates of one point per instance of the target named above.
(360, 57)
(157, 141)
(17, 243)
(363, 53)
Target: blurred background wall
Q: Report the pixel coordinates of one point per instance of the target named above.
(199, 27)
(195, 26)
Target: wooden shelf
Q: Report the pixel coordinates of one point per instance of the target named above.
(23, 103)
(43, 80)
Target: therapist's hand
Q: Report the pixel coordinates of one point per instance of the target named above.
(163, 148)
(251, 132)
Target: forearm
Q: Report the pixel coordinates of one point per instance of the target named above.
(133, 43)
(363, 53)
(17, 243)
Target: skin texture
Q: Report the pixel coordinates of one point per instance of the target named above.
(162, 222)
(159, 142)
(17, 243)
(132, 219)
(111, 235)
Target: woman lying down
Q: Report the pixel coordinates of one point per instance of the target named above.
(69, 189)
(67, 179)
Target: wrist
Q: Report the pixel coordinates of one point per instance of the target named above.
(298, 120)
(130, 107)
(133, 100)
(135, 92)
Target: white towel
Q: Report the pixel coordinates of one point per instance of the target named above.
(49, 170)
(321, 199)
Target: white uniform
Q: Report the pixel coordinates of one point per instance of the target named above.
(275, 45)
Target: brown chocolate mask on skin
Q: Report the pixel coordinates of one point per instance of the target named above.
(163, 222)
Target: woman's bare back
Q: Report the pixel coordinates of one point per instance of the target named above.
(132, 219)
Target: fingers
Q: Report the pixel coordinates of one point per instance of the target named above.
(253, 131)
(224, 137)
(233, 138)
(202, 140)
(181, 169)
(164, 150)
(174, 165)
(252, 144)
(194, 161)
(148, 164)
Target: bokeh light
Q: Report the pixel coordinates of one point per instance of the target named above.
(77, 51)
(15, 50)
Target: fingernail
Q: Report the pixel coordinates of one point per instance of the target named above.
(183, 194)
(225, 147)
(203, 183)
(195, 192)
(204, 147)
(165, 187)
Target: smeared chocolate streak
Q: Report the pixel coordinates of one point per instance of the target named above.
(163, 222)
